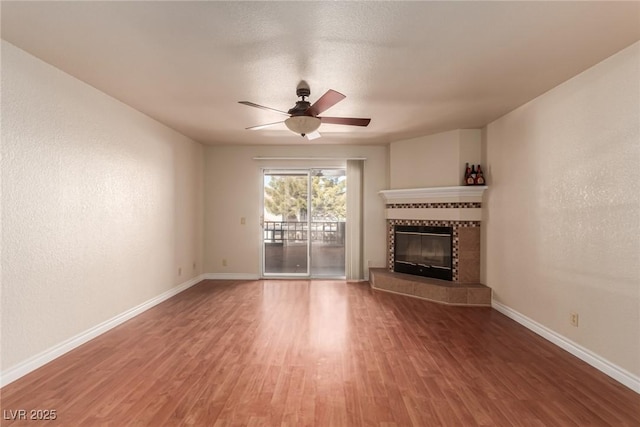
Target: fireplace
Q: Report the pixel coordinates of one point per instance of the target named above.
(424, 251)
(434, 232)
(448, 219)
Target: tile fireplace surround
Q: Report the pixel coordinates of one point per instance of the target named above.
(456, 207)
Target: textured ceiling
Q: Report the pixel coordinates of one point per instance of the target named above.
(415, 68)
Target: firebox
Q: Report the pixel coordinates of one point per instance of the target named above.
(424, 251)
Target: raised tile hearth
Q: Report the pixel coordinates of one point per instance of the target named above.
(440, 291)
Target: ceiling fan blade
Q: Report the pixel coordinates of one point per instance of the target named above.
(263, 126)
(351, 121)
(251, 104)
(313, 135)
(326, 101)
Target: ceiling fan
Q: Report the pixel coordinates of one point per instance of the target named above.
(303, 117)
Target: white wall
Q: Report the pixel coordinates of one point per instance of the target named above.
(100, 207)
(233, 188)
(434, 160)
(563, 209)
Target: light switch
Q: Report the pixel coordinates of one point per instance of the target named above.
(243, 220)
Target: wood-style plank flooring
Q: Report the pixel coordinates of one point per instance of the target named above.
(318, 353)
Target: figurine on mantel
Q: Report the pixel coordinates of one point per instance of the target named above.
(473, 175)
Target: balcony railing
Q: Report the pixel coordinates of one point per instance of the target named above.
(288, 232)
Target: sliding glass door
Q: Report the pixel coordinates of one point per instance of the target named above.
(285, 223)
(303, 232)
(328, 222)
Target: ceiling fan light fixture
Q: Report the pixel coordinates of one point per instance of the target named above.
(303, 124)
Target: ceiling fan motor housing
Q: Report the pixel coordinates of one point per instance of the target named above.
(300, 108)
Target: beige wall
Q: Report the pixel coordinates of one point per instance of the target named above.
(100, 207)
(563, 209)
(434, 160)
(233, 188)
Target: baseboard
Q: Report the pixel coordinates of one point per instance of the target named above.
(617, 373)
(231, 276)
(41, 359)
(249, 276)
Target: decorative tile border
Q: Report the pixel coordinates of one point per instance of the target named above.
(455, 205)
(455, 225)
(434, 223)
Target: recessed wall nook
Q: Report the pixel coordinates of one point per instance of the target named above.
(433, 245)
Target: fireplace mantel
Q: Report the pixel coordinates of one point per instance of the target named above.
(470, 193)
(461, 203)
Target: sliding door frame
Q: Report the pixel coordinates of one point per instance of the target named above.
(298, 171)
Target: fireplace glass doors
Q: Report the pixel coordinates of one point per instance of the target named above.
(424, 251)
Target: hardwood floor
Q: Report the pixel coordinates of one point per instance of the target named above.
(318, 353)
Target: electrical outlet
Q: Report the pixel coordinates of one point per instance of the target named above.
(243, 220)
(224, 262)
(573, 318)
(179, 271)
